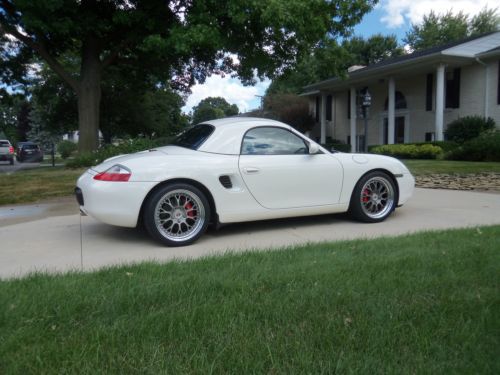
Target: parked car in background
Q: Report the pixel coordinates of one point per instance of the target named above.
(6, 151)
(29, 151)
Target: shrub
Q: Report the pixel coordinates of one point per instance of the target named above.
(130, 146)
(486, 147)
(336, 144)
(86, 159)
(409, 151)
(446, 146)
(291, 109)
(467, 128)
(66, 148)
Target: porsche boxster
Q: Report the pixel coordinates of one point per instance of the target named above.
(235, 170)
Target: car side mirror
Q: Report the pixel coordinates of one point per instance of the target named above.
(313, 148)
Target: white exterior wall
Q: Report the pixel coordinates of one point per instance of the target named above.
(493, 106)
(418, 120)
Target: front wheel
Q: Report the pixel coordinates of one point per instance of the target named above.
(374, 198)
(177, 214)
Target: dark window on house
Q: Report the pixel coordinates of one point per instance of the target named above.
(428, 92)
(400, 101)
(348, 104)
(329, 108)
(317, 108)
(429, 137)
(498, 84)
(453, 89)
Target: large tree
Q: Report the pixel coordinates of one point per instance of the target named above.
(184, 39)
(211, 108)
(130, 105)
(436, 29)
(10, 105)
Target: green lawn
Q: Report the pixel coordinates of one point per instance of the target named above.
(426, 303)
(423, 167)
(35, 184)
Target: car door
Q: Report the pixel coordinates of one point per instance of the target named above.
(279, 172)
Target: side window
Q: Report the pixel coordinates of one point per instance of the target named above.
(272, 141)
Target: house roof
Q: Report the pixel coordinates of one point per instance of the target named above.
(459, 52)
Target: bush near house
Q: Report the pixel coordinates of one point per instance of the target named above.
(467, 128)
(486, 147)
(409, 151)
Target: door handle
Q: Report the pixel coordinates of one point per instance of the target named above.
(251, 170)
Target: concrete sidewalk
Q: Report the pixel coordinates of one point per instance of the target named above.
(52, 243)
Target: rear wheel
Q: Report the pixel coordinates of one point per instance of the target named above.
(177, 214)
(12, 161)
(374, 198)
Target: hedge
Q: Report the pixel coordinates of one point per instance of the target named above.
(486, 147)
(409, 151)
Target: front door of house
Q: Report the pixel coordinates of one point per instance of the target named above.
(399, 130)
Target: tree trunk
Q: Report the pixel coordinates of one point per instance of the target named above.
(89, 96)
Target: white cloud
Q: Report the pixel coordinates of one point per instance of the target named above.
(231, 89)
(398, 12)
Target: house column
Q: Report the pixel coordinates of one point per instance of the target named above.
(391, 108)
(439, 102)
(353, 119)
(323, 119)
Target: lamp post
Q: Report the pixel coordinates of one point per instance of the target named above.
(366, 102)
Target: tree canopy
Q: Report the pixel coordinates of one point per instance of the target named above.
(177, 41)
(131, 106)
(331, 59)
(212, 108)
(436, 30)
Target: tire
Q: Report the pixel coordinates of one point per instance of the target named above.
(177, 214)
(374, 198)
(11, 161)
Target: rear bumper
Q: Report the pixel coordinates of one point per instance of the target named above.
(115, 203)
(8, 157)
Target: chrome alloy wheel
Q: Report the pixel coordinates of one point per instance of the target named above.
(377, 197)
(179, 215)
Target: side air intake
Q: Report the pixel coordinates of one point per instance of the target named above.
(226, 182)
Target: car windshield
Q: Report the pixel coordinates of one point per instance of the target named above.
(30, 147)
(193, 137)
(4, 143)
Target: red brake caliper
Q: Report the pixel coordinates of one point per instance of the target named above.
(366, 195)
(188, 206)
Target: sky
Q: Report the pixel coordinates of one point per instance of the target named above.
(388, 17)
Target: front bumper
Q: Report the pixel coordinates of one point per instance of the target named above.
(115, 203)
(406, 183)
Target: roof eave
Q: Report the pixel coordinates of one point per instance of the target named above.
(368, 73)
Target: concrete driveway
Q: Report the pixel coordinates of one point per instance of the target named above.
(47, 237)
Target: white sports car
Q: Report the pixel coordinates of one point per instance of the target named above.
(238, 169)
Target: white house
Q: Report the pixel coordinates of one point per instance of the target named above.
(414, 96)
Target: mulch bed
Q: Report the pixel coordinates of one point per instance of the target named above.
(479, 181)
